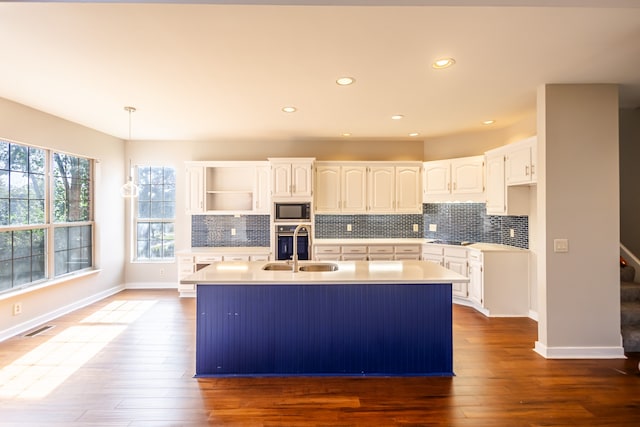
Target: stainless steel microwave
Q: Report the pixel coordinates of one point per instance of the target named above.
(292, 212)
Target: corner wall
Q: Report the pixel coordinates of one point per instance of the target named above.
(630, 179)
(25, 125)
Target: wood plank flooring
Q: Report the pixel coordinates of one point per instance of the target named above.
(129, 361)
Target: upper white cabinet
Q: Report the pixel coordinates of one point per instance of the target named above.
(227, 187)
(459, 179)
(385, 187)
(510, 170)
(520, 166)
(291, 177)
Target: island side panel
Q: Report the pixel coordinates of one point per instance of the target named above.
(372, 329)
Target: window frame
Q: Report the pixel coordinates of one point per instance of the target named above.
(49, 224)
(135, 209)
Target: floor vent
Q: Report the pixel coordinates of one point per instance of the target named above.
(39, 331)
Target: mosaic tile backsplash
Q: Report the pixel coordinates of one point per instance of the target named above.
(368, 226)
(215, 230)
(454, 221)
(470, 222)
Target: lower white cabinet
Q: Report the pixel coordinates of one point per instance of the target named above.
(363, 252)
(455, 259)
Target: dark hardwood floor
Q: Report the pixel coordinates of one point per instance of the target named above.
(129, 361)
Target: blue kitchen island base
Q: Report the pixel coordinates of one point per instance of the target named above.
(324, 329)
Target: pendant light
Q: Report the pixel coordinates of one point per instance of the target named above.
(130, 189)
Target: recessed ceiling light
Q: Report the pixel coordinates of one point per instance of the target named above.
(488, 122)
(414, 134)
(443, 63)
(397, 117)
(289, 109)
(345, 81)
(346, 134)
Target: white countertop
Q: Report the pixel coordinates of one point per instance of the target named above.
(349, 272)
(494, 247)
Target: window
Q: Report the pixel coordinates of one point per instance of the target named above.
(34, 209)
(155, 213)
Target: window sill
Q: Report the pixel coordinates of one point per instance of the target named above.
(58, 280)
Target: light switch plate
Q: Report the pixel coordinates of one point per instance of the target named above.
(349, 228)
(512, 232)
(561, 245)
(433, 227)
(415, 228)
(233, 231)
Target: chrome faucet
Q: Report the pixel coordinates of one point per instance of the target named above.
(295, 243)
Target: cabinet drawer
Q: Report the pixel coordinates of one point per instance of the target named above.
(326, 257)
(263, 257)
(208, 259)
(380, 249)
(327, 249)
(432, 250)
(407, 256)
(354, 257)
(185, 259)
(475, 255)
(236, 257)
(455, 252)
(349, 249)
(407, 249)
(381, 257)
(186, 268)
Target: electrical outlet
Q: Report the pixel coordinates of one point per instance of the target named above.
(512, 232)
(349, 228)
(415, 228)
(233, 231)
(17, 308)
(162, 272)
(433, 227)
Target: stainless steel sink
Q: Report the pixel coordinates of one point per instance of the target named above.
(319, 267)
(277, 267)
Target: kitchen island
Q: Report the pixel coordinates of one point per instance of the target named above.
(365, 318)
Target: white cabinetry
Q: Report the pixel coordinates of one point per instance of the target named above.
(365, 252)
(226, 187)
(291, 177)
(521, 162)
(455, 259)
(499, 282)
(510, 172)
(194, 177)
(343, 187)
(459, 179)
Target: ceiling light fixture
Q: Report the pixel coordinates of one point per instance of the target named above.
(289, 109)
(488, 122)
(397, 117)
(346, 134)
(414, 134)
(345, 81)
(443, 63)
(130, 190)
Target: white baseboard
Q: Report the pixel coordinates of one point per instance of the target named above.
(47, 317)
(151, 285)
(533, 315)
(579, 352)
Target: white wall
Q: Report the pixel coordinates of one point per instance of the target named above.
(578, 200)
(25, 125)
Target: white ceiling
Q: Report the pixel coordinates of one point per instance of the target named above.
(224, 71)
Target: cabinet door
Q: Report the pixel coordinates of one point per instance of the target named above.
(476, 282)
(281, 179)
(459, 266)
(518, 166)
(354, 189)
(381, 189)
(261, 199)
(195, 189)
(436, 259)
(327, 195)
(496, 201)
(408, 192)
(467, 175)
(437, 179)
(301, 179)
